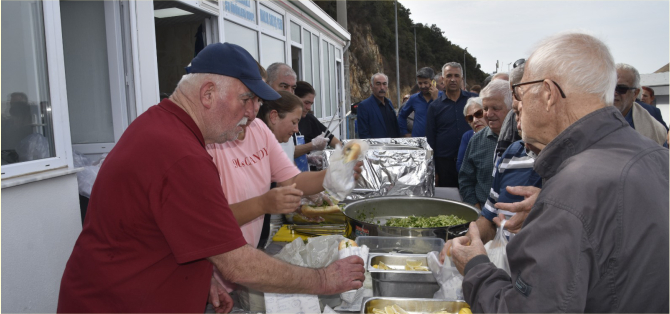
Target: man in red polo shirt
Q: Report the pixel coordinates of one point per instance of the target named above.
(158, 216)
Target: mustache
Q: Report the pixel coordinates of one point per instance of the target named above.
(242, 122)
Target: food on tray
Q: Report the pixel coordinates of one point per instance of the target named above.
(381, 266)
(351, 151)
(465, 310)
(410, 264)
(426, 222)
(395, 309)
(311, 211)
(347, 243)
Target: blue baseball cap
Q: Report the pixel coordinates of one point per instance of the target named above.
(232, 60)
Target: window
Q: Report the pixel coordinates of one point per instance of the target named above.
(242, 36)
(33, 136)
(308, 57)
(295, 32)
(317, 74)
(273, 50)
(326, 81)
(87, 71)
(27, 130)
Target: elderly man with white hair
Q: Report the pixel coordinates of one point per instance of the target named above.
(596, 239)
(646, 119)
(474, 177)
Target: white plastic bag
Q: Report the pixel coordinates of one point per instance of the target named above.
(339, 180)
(86, 177)
(497, 249)
(33, 147)
(447, 276)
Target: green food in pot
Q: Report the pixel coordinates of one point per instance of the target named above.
(425, 222)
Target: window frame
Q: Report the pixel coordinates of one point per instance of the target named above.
(58, 98)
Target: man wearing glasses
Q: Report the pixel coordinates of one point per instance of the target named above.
(474, 177)
(640, 118)
(596, 239)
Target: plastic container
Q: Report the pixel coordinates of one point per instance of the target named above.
(404, 245)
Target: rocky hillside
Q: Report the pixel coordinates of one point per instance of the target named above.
(372, 28)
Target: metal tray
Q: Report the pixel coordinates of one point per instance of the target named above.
(399, 282)
(414, 306)
(358, 215)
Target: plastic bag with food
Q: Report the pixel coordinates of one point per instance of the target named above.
(497, 249)
(348, 248)
(339, 180)
(447, 276)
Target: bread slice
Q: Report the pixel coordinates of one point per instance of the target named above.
(347, 243)
(309, 211)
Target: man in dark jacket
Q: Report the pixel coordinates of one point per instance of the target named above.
(376, 116)
(596, 239)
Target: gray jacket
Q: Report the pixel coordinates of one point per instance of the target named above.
(597, 238)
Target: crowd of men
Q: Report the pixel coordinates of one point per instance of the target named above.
(559, 149)
(573, 160)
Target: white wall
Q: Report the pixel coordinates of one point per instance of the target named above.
(40, 223)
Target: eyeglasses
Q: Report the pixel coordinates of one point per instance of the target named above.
(471, 117)
(518, 63)
(622, 89)
(518, 96)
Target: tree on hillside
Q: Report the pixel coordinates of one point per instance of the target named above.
(434, 50)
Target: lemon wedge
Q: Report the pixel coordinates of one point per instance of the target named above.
(465, 310)
(421, 268)
(383, 266)
(399, 310)
(389, 310)
(413, 263)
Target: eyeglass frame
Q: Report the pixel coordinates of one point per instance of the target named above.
(474, 116)
(516, 96)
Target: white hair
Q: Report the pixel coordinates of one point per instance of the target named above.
(632, 70)
(452, 65)
(498, 75)
(196, 79)
(498, 88)
(372, 79)
(472, 101)
(578, 62)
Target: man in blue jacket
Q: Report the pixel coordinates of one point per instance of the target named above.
(376, 116)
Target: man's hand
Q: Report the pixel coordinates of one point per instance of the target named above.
(342, 275)
(521, 209)
(358, 169)
(433, 92)
(282, 200)
(219, 297)
(463, 249)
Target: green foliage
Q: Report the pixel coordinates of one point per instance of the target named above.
(433, 49)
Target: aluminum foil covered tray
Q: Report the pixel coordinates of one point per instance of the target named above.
(394, 166)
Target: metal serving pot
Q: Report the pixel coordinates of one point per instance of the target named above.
(367, 217)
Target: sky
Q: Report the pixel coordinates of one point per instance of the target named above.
(637, 32)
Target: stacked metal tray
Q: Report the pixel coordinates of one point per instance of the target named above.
(413, 306)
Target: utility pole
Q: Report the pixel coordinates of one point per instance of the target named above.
(416, 63)
(464, 76)
(342, 20)
(397, 55)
